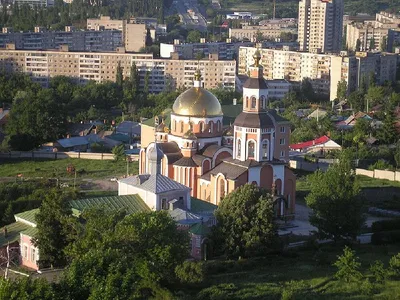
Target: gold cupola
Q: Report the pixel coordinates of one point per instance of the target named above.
(197, 101)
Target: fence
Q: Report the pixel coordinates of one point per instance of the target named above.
(61, 155)
(380, 174)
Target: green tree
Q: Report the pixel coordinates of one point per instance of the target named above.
(348, 266)
(134, 79)
(356, 100)
(8, 216)
(35, 118)
(383, 45)
(119, 79)
(334, 199)
(375, 95)
(51, 237)
(114, 256)
(341, 93)
(119, 152)
(245, 221)
(146, 83)
(193, 36)
(394, 264)
(388, 133)
(307, 90)
(397, 155)
(378, 271)
(358, 45)
(372, 44)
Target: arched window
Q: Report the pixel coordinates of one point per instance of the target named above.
(247, 102)
(181, 123)
(239, 148)
(221, 189)
(174, 125)
(218, 126)
(201, 127)
(263, 102)
(250, 149)
(253, 102)
(211, 126)
(265, 149)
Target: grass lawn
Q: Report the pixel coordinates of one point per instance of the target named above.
(267, 278)
(85, 168)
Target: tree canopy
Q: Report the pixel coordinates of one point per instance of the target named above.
(335, 201)
(245, 222)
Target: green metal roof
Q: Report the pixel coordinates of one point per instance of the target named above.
(13, 231)
(198, 206)
(130, 203)
(31, 231)
(199, 229)
(28, 215)
(230, 113)
(166, 114)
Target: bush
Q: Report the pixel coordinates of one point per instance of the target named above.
(190, 272)
(385, 237)
(348, 266)
(221, 291)
(394, 264)
(385, 225)
(367, 288)
(381, 165)
(378, 272)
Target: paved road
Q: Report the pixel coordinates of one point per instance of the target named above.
(193, 20)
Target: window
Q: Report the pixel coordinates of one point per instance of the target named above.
(265, 149)
(197, 242)
(25, 252)
(201, 127)
(253, 102)
(282, 153)
(239, 148)
(33, 254)
(282, 129)
(174, 125)
(181, 123)
(164, 204)
(250, 149)
(282, 141)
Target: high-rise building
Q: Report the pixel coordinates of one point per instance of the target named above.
(320, 25)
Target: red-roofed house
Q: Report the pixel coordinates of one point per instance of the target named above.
(322, 144)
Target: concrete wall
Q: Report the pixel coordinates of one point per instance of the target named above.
(380, 174)
(308, 166)
(61, 155)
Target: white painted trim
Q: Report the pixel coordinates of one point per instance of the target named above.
(255, 148)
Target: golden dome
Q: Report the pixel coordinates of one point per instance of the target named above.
(197, 102)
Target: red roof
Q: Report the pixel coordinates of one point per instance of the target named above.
(321, 140)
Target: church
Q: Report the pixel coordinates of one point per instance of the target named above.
(211, 159)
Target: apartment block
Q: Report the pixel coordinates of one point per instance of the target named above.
(323, 70)
(367, 37)
(104, 40)
(292, 66)
(250, 33)
(320, 25)
(225, 50)
(102, 66)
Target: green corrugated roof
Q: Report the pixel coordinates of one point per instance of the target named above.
(31, 231)
(130, 203)
(13, 231)
(230, 113)
(28, 215)
(198, 206)
(166, 114)
(199, 229)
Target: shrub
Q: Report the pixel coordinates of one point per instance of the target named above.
(367, 288)
(385, 237)
(190, 272)
(348, 266)
(385, 225)
(294, 289)
(381, 165)
(394, 264)
(378, 271)
(221, 291)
